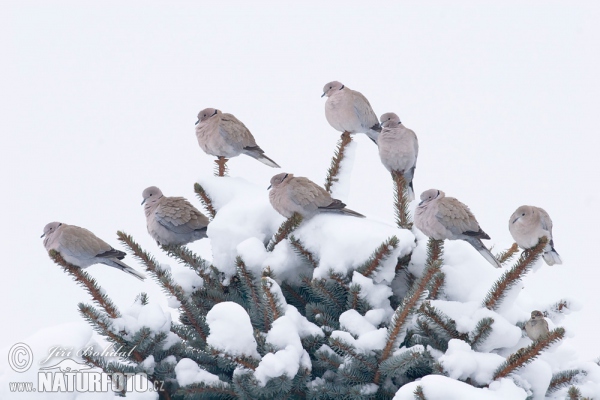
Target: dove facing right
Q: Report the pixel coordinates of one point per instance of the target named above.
(349, 111)
(537, 326)
(82, 248)
(527, 225)
(398, 149)
(290, 194)
(441, 217)
(172, 220)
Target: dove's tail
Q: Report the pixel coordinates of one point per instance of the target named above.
(258, 153)
(352, 213)
(124, 267)
(373, 133)
(551, 257)
(480, 247)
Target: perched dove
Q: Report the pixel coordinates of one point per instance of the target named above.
(172, 220)
(441, 217)
(537, 326)
(82, 248)
(290, 194)
(225, 136)
(349, 111)
(398, 149)
(527, 225)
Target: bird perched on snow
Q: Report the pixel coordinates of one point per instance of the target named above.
(290, 194)
(441, 217)
(537, 326)
(82, 248)
(225, 136)
(349, 111)
(527, 225)
(172, 220)
(398, 149)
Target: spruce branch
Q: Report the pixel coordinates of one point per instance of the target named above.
(401, 202)
(435, 251)
(288, 226)
(88, 283)
(189, 258)
(205, 200)
(375, 262)
(338, 156)
(562, 379)
(219, 390)
(508, 254)
(345, 349)
(242, 361)
(303, 252)
(165, 280)
(436, 285)
(100, 322)
(527, 354)
(408, 307)
(419, 395)
(221, 168)
(574, 393)
(253, 294)
(481, 332)
(271, 303)
(447, 324)
(511, 277)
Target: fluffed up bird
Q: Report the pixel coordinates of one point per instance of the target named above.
(290, 194)
(349, 111)
(441, 217)
(527, 225)
(537, 326)
(172, 220)
(82, 248)
(398, 149)
(224, 136)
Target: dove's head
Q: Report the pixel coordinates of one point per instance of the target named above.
(430, 195)
(278, 179)
(332, 88)
(50, 228)
(537, 315)
(389, 120)
(151, 194)
(522, 214)
(206, 114)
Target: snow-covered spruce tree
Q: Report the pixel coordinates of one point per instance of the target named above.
(333, 307)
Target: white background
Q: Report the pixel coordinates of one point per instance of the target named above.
(99, 101)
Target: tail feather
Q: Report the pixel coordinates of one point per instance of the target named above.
(125, 268)
(258, 153)
(352, 213)
(552, 257)
(373, 134)
(411, 192)
(480, 247)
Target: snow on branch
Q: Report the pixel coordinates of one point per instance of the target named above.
(511, 277)
(436, 285)
(447, 324)
(221, 169)
(401, 201)
(205, 200)
(527, 354)
(303, 252)
(481, 332)
(419, 395)
(288, 226)
(563, 379)
(189, 258)
(86, 281)
(338, 156)
(220, 390)
(374, 263)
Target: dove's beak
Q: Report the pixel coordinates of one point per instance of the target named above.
(269, 187)
(323, 94)
(516, 219)
(197, 122)
(143, 201)
(43, 234)
(422, 202)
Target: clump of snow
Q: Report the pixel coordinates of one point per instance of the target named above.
(138, 316)
(188, 372)
(462, 362)
(439, 387)
(188, 280)
(285, 335)
(372, 340)
(355, 323)
(231, 330)
(148, 364)
(376, 294)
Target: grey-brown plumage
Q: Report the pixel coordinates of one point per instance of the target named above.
(349, 111)
(172, 220)
(527, 225)
(82, 248)
(223, 135)
(398, 149)
(537, 326)
(441, 217)
(290, 194)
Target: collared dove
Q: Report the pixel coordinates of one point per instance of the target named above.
(172, 220)
(441, 217)
(349, 111)
(290, 194)
(225, 136)
(527, 225)
(82, 248)
(537, 326)
(398, 149)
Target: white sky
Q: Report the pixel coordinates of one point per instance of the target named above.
(99, 102)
